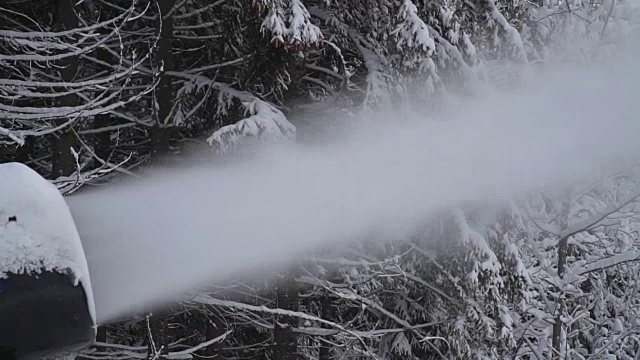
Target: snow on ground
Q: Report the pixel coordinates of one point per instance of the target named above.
(37, 232)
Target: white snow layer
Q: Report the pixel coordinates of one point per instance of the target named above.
(37, 232)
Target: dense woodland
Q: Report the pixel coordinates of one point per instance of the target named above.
(96, 89)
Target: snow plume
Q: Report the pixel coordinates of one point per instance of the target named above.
(175, 229)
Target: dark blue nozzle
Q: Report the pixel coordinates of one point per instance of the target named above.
(43, 315)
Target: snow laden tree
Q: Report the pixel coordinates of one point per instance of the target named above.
(585, 249)
(221, 71)
(392, 51)
(462, 280)
(244, 87)
(562, 31)
(140, 81)
(435, 49)
(54, 84)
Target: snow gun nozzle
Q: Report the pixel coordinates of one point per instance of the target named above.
(46, 300)
(42, 315)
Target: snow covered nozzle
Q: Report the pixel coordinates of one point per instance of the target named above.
(46, 302)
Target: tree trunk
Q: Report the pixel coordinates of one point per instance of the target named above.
(215, 328)
(157, 346)
(327, 312)
(161, 133)
(24, 151)
(101, 335)
(102, 145)
(558, 326)
(63, 161)
(285, 345)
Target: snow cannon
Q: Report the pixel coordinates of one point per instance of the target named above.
(46, 302)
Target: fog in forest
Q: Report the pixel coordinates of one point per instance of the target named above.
(150, 239)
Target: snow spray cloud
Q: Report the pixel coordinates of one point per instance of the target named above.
(151, 239)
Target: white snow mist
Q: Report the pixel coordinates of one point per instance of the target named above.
(150, 239)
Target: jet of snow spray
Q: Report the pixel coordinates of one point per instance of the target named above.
(151, 239)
